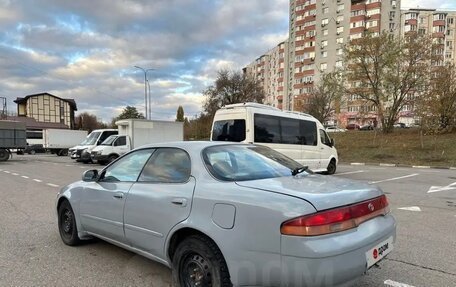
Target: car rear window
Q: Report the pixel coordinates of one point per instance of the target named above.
(247, 162)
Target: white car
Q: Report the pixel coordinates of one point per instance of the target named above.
(334, 129)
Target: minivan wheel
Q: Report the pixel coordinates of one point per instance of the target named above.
(67, 224)
(331, 167)
(198, 261)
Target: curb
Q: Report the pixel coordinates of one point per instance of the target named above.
(402, 165)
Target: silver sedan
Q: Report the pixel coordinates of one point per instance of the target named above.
(223, 214)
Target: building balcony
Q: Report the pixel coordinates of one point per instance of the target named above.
(439, 23)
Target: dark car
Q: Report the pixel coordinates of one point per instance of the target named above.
(352, 127)
(34, 148)
(366, 128)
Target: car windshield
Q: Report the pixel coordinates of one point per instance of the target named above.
(247, 162)
(91, 139)
(109, 140)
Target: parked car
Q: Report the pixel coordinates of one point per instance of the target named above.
(34, 148)
(400, 126)
(366, 128)
(223, 214)
(352, 127)
(334, 129)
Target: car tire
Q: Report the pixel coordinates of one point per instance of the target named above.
(112, 158)
(4, 155)
(198, 261)
(331, 169)
(32, 152)
(67, 225)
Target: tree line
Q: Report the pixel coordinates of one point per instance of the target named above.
(381, 73)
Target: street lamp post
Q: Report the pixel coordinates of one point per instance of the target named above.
(146, 109)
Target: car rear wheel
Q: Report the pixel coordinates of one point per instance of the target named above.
(331, 169)
(4, 154)
(32, 152)
(199, 262)
(67, 225)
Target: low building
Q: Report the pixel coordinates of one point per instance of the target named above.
(47, 108)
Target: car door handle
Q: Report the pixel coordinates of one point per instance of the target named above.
(118, 195)
(180, 201)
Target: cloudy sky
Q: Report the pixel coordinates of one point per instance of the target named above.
(87, 50)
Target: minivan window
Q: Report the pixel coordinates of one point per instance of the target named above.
(121, 141)
(273, 129)
(229, 130)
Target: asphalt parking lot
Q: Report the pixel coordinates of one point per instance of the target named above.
(32, 254)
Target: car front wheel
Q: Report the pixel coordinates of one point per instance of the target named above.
(67, 224)
(199, 262)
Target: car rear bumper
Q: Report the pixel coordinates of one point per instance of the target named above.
(333, 260)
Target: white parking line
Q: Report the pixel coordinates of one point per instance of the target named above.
(24, 176)
(350, 172)
(394, 178)
(5, 171)
(37, 180)
(15, 173)
(396, 284)
(53, 185)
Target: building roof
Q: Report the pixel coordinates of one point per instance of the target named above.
(24, 100)
(31, 123)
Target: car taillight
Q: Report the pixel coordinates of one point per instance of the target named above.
(336, 220)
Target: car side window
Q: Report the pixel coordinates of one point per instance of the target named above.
(128, 167)
(324, 138)
(167, 165)
(121, 141)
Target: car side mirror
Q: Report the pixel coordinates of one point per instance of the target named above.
(333, 143)
(90, 175)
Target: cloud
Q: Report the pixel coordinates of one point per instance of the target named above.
(86, 50)
(432, 4)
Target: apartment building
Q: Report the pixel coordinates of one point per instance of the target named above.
(438, 23)
(318, 29)
(269, 71)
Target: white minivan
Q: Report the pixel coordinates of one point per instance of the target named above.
(299, 136)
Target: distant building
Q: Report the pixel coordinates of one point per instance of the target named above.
(269, 71)
(47, 109)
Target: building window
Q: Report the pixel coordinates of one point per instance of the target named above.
(325, 10)
(323, 66)
(325, 22)
(324, 54)
(340, 40)
(325, 32)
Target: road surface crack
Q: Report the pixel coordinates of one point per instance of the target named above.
(421, 266)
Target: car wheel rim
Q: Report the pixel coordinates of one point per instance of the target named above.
(67, 222)
(196, 271)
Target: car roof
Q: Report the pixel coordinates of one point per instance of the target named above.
(190, 145)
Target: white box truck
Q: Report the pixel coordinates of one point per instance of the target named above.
(134, 133)
(58, 141)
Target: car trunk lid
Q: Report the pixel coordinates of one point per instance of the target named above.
(323, 192)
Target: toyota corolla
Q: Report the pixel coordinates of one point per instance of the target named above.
(223, 214)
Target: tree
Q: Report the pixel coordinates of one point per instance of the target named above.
(180, 114)
(128, 112)
(198, 128)
(89, 122)
(383, 70)
(438, 106)
(231, 88)
(326, 96)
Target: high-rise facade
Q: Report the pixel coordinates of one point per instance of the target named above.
(269, 70)
(440, 24)
(318, 29)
